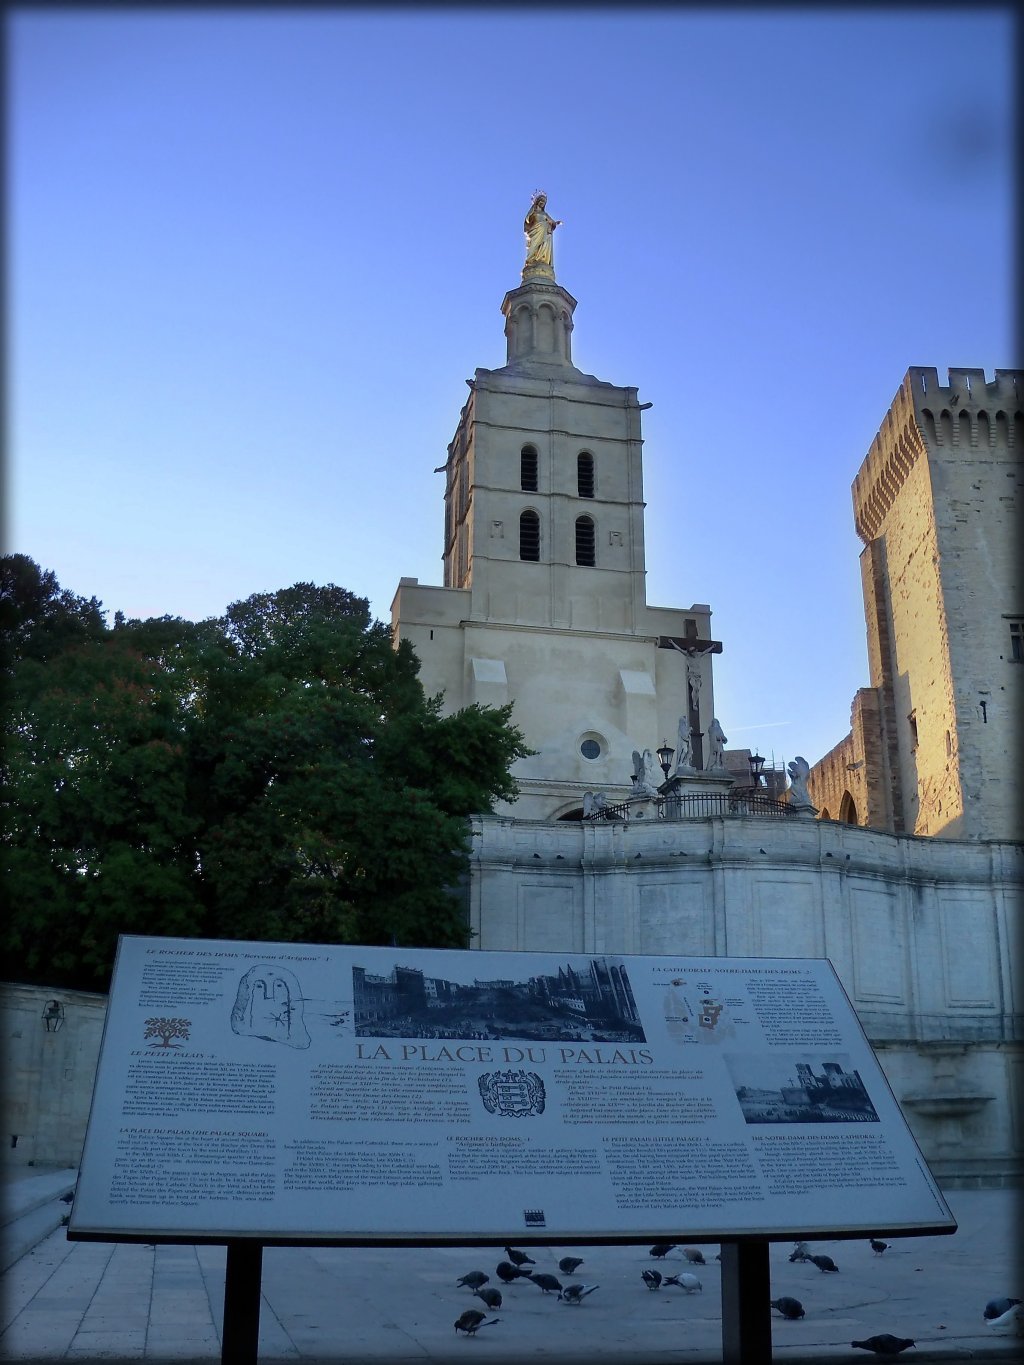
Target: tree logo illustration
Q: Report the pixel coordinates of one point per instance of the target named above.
(167, 1029)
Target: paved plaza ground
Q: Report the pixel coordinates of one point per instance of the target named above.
(89, 1301)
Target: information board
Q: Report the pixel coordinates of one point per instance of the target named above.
(289, 1092)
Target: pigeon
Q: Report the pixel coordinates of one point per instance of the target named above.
(508, 1273)
(885, 1344)
(995, 1308)
(519, 1257)
(684, 1280)
(1010, 1323)
(824, 1263)
(878, 1246)
(68, 1198)
(694, 1256)
(491, 1297)
(576, 1293)
(547, 1283)
(569, 1263)
(473, 1280)
(470, 1320)
(661, 1249)
(789, 1308)
(800, 1252)
(651, 1278)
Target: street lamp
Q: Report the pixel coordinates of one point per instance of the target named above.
(665, 757)
(53, 1016)
(756, 764)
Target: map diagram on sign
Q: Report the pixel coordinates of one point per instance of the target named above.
(693, 1014)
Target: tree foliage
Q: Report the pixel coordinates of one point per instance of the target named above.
(275, 774)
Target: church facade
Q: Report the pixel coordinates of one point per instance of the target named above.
(544, 601)
(543, 604)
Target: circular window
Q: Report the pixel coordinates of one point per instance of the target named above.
(590, 748)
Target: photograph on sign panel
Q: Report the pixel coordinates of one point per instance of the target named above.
(800, 1088)
(590, 1001)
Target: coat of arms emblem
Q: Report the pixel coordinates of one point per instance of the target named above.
(513, 1094)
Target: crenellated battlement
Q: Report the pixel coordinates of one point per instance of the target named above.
(968, 413)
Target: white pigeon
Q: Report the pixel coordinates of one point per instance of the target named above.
(1010, 1323)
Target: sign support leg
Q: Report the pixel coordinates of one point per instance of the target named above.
(746, 1304)
(242, 1290)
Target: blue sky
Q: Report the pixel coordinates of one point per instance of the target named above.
(254, 255)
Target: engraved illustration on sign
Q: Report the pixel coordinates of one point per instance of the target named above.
(512, 1094)
(269, 1005)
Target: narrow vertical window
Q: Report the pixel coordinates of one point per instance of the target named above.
(1017, 640)
(529, 536)
(585, 541)
(585, 474)
(528, 470)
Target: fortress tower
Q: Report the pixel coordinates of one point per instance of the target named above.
(544, 601)
(935, 744)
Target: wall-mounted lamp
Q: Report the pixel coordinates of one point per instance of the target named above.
(53, 1016)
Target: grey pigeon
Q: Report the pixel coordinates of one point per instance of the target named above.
(547, 1283)
(995, 1308)
(575, 1293)
(789, 1308)
(824, 1263)
(651, 1278)
(508, 1273)
(519, 1257)
(878, 1246)
(569, 1263)
(800, 1252)
(661, 1249)
(491, 1297)
(885, 1344)
(470, 1320)
(694, 1255)
(474, 1279)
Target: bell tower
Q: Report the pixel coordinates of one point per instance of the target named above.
(544, 599)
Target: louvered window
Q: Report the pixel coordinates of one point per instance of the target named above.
(585, 541)
(529, 536)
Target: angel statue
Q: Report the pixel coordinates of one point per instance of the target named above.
(643, 774)
(539, 227)
(797, 797)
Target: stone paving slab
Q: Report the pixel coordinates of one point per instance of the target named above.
(85, 1301)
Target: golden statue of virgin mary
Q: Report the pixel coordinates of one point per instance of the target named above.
(539, 227)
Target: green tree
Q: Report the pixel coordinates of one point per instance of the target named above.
(97, 831)
(275, 774)
(334, 794)
(37, 616)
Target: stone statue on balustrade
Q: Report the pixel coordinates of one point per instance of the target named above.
(797, 797)
(683, 766)
(717, 740)
(593, 804)
(644, 781)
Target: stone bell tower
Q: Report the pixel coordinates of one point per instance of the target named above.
(544, 599)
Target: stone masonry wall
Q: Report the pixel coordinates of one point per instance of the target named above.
(923, 933)
(47, 1076)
